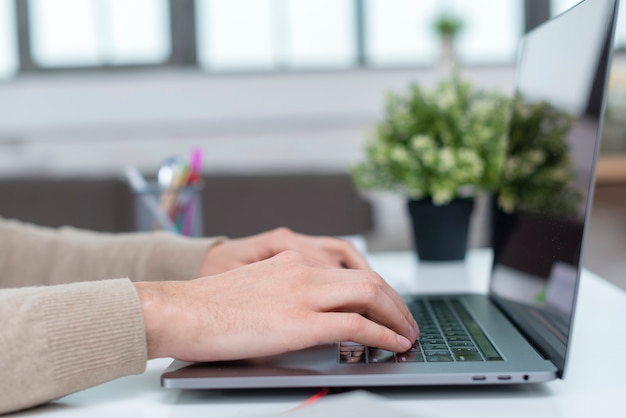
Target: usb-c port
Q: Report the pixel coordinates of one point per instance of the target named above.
(504, 377)
(479, 378)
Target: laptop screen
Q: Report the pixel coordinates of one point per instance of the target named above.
(544, 202)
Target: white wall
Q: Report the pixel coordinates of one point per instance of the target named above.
(93, 125)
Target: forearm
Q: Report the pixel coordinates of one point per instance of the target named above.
(61, 339)
(34, 255)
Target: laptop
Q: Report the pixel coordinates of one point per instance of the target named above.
(520, 331)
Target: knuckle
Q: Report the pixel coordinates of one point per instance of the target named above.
(293, 261)
(354, 325)
(370, 292)
(372, 277)
(346, 244)
(282, 233)
(290, 256)
(375, 279)
(386, 338)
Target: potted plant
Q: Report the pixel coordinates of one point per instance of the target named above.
(448, 26)
(440, 148)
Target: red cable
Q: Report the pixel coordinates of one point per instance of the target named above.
(314, 398)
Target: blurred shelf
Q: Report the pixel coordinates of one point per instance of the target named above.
(611, 168)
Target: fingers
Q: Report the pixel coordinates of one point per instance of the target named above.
(337, 252)
(367, 294)
(339, 326)
(333, 252)
(360, 291)
(292, 301)
(350, 257)
(370, 304)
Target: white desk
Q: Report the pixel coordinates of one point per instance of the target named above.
(595, 384)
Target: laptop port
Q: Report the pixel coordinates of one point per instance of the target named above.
(479, 378)
(504, 377)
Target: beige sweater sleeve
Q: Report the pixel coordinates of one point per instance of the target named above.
(34, 255)
(60, 338)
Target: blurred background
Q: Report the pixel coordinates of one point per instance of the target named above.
(281, 92)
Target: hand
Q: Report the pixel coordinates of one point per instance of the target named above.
(285, 303)
(234, 253)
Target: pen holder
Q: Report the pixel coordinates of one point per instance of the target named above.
(175, 210)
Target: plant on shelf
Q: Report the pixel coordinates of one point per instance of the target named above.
(448, 26)
(442, 143)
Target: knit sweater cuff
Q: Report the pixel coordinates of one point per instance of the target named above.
(95, 333)
(173, 257)
(60, 339)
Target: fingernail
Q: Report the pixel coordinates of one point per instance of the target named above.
(414, 331)
(411, 334)
(404, 343)
(416, 328)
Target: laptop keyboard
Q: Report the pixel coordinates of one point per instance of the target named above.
(448, 333)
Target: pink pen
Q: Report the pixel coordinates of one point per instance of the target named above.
(196, 165)
(195, 170)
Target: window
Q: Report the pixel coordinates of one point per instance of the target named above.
(76, 33)
(492, 30)
(270, 34)
(250, 35)
(8, 40)
(320, 33)
(235, 34)
(401, 31)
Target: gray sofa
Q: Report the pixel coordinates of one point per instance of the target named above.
(233, 205)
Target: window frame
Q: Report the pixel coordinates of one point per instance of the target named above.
(182, 36)
(183, 40)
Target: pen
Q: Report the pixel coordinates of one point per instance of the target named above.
(176, 179)
(195, 171)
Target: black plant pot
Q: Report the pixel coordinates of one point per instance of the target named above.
(440, 232)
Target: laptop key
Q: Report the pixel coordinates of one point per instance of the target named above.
(462, 350)
(424, 340)
(468, 357)
(439, 358)
(455, 334)
(448, 334)
(436, 352)
(466, 343)
(459, 339)
(428, 346)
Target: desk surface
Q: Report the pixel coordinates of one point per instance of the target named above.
(594, 384)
